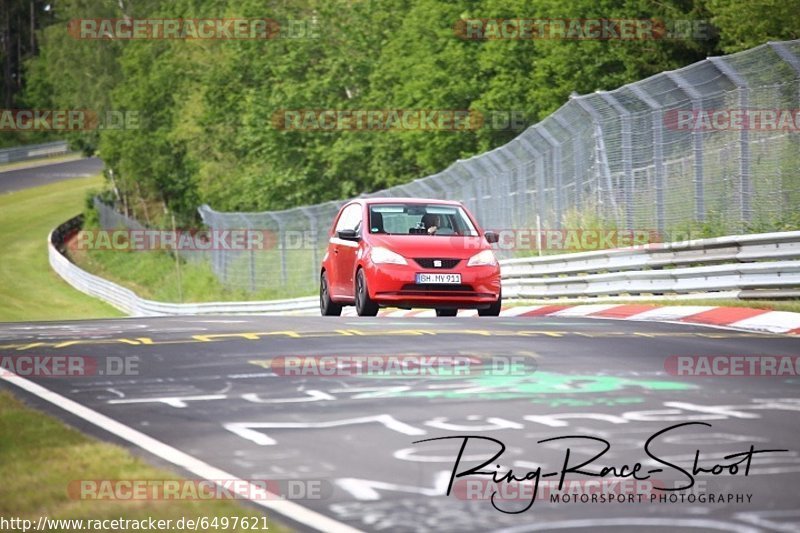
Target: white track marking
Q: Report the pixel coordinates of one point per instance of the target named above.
(772, 321)
(519, 309)
(247, 430)
(671, 312)
(197, 467)
(583, 310)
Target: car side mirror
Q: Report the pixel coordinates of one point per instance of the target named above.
(491, 237)
(348, 235)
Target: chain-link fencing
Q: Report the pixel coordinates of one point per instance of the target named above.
(704, 149)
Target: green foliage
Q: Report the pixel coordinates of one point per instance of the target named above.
(206, 107)
(30, 289)
(744, 24)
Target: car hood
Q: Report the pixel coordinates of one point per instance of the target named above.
(455, 247)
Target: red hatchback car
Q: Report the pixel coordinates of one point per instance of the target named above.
(401, 252)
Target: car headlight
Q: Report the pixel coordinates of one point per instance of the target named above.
(484, 258)
(380, 255)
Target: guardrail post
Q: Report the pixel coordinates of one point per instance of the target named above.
(745, 176)
(627, 155)
(697, 142)
(658, 151)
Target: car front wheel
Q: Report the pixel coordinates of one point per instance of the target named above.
(365, 306)
(492, 310)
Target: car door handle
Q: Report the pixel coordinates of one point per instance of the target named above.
(336, 250)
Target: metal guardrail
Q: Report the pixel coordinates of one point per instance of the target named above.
(724, 264)
(32, 151)
(720, 267)
(128, 302)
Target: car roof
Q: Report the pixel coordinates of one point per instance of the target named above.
(389, 200)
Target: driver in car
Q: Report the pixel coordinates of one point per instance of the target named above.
(431, 222)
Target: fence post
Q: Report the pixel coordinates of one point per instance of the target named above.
(539, 175)
(627, 155)
(464, 168)
(557, 177)
(784, 53)
(745, 176)
(281, 244)
(601, 157)
(313, 228)
(503, 161)
(577, 158)
(658, 151)
(423, 184)
(439, 184)
(251, 255)
(492, 167)
(697, 145)
(521, 210)
(793, 61)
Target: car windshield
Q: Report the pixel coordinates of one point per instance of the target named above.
(420, 219)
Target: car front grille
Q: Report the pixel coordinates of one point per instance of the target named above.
(427, 262)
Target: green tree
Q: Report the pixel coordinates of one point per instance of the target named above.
(206, 132)
(744, 24)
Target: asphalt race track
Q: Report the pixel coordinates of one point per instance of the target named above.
(207, 386)
(23, 178)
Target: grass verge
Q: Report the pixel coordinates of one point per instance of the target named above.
(44, 456)
(39, 456)
(154, 274)
(30, 290)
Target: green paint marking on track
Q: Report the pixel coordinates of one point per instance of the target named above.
(592, 401)
(542, 386)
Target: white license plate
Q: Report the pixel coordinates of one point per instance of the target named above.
(444, 279)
